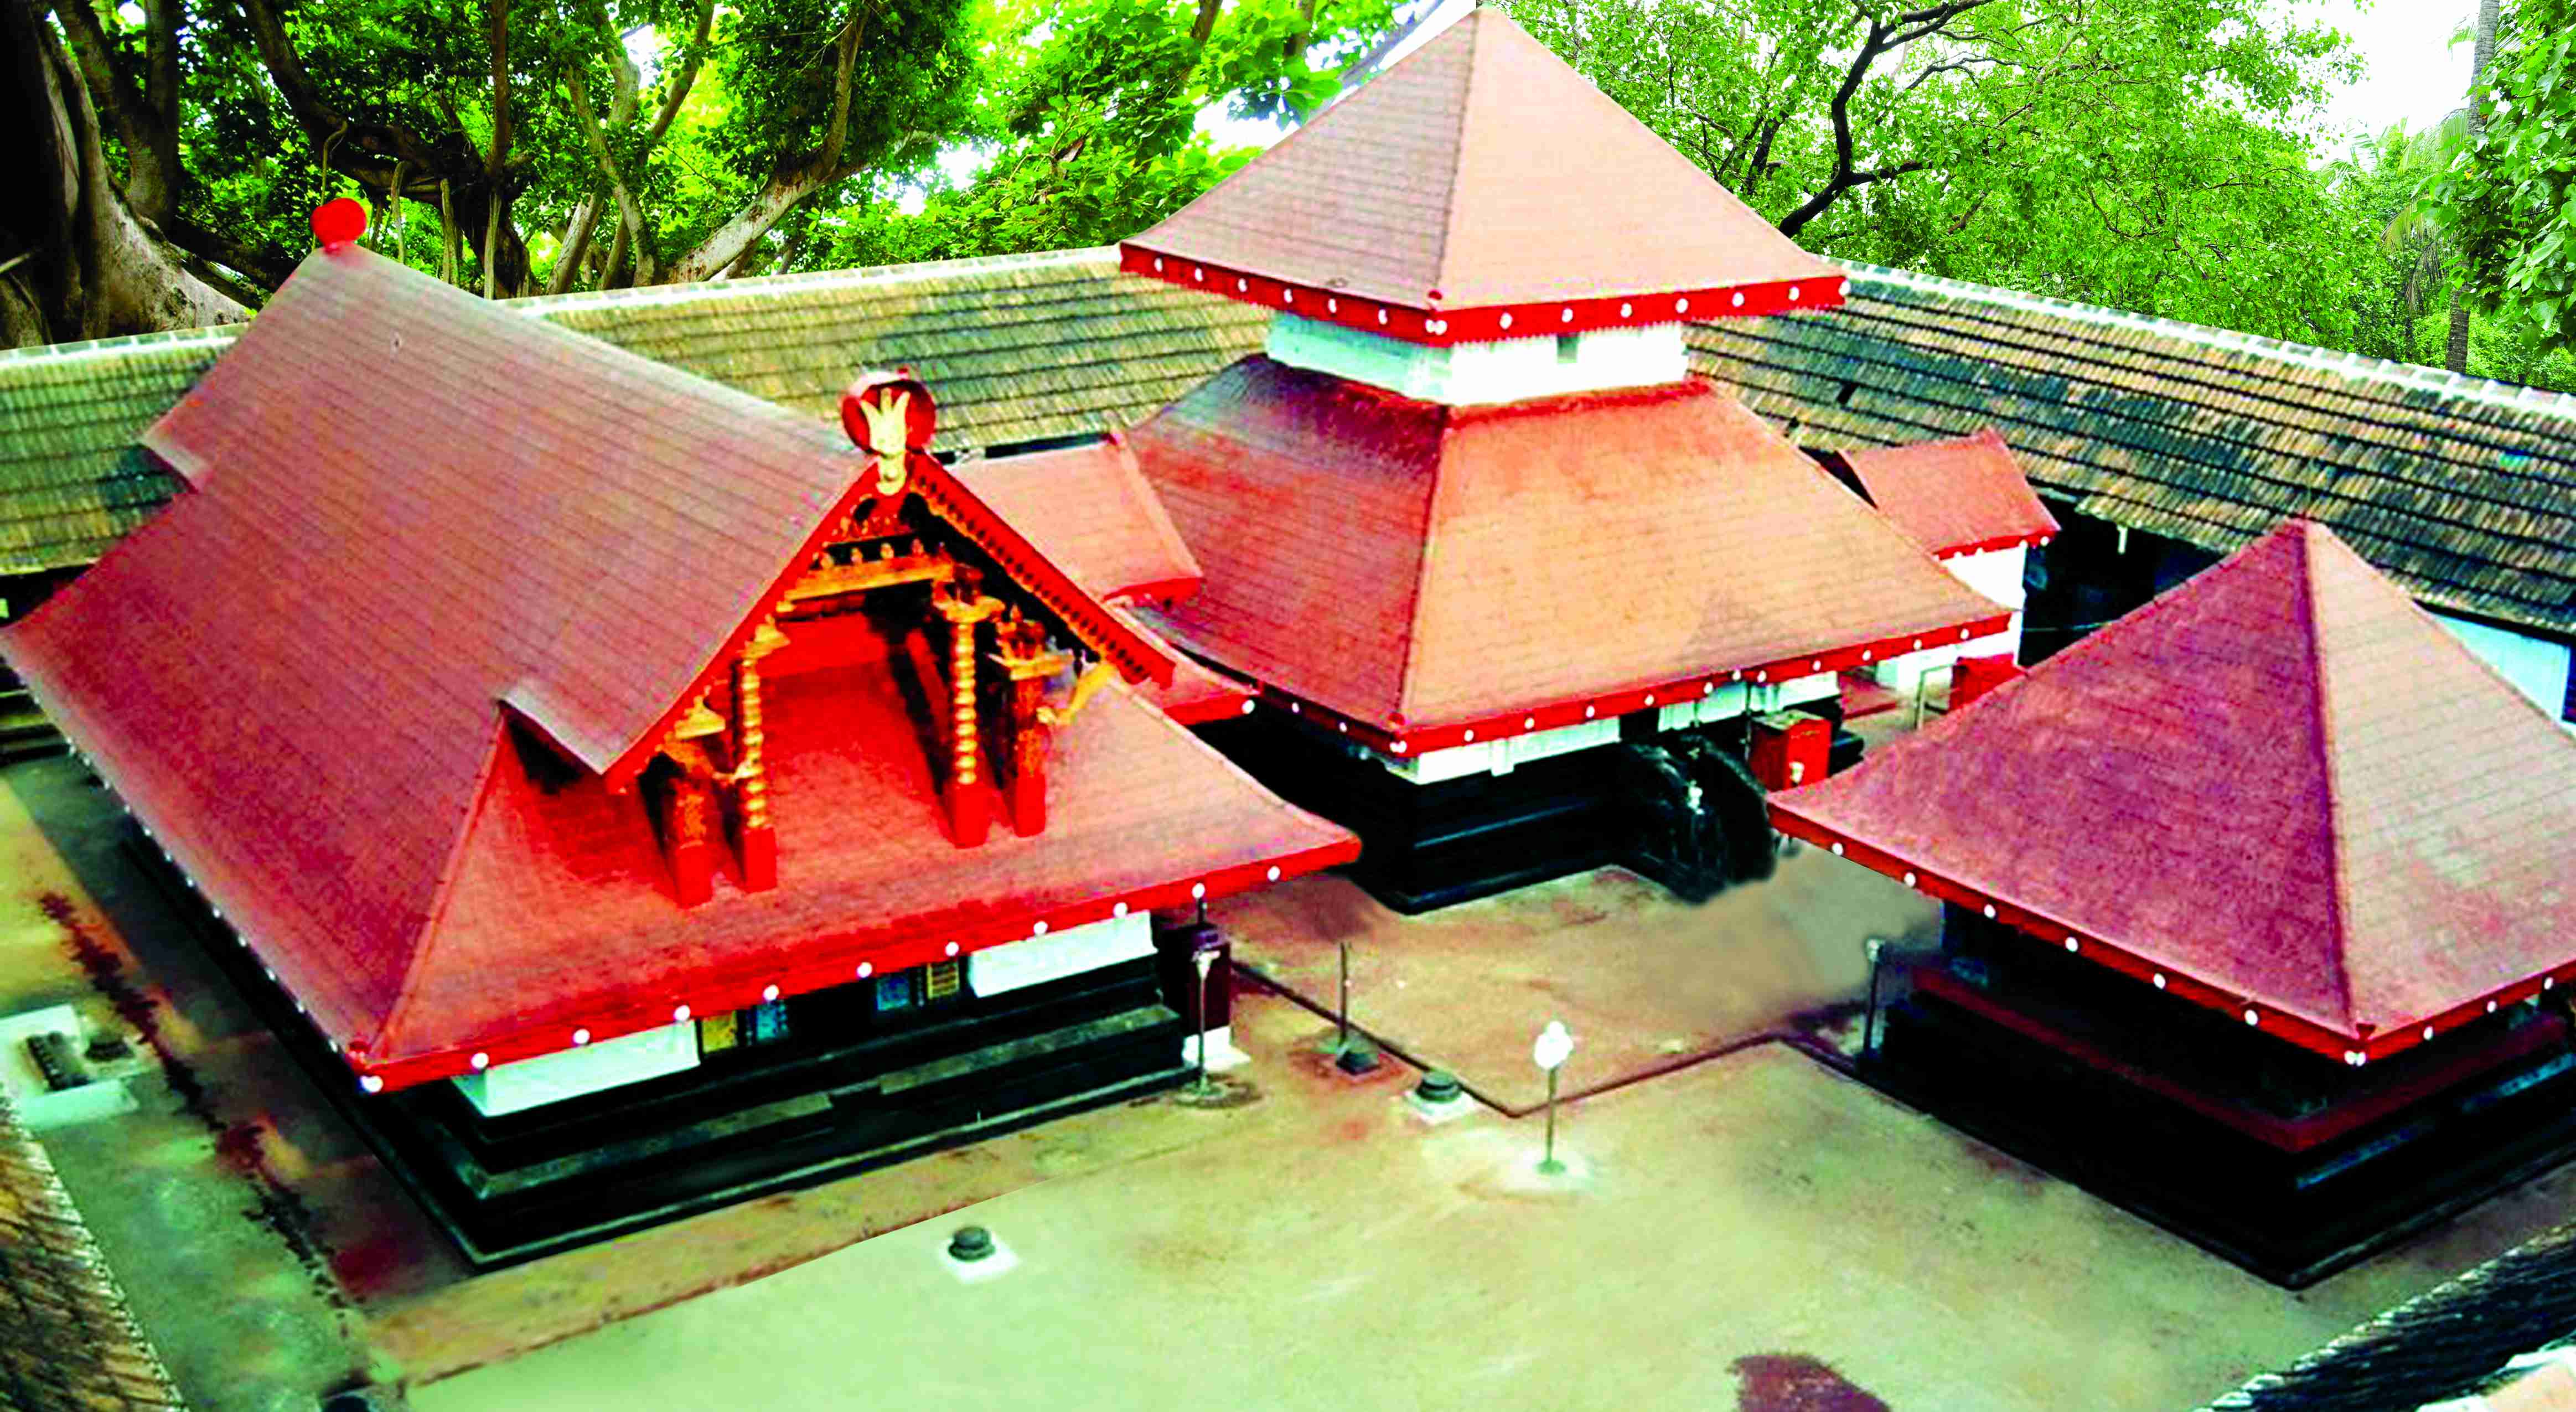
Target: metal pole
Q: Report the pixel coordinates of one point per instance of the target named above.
(1202, 960)
(1343, 1044)
(1548, 1164)
(1869, 1018)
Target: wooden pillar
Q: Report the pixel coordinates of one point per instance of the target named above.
(691, 826)
(1025, 658)
(970, 809)
(757, 846)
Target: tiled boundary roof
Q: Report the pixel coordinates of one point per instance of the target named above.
(2462, 490)
(67, 1339)
(70, 482)
(2446, 1343)
(1018, 349)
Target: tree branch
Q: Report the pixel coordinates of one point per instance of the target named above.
(629, 212)
(678, 92)
(497, 30)
(264, 266)
(1884, 37)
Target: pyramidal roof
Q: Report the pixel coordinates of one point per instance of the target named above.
(1434, 576)
(2282, 789)
(1481, 189)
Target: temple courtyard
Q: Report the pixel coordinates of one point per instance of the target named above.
(1740, 1225)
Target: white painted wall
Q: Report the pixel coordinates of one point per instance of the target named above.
(1471, 374)
(611, 1063)
(1070, 952)
(1499, 756)
(1496, 756)
(1996, 574)
(2536, 667)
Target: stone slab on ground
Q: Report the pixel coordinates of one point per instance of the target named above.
(1645, 982)
(273, 1258)
(1754, 1221)
(242, 1310)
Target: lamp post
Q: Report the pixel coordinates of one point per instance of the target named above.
(1869, 1017)
(1342, 1045)
(1201, 959)
(1553, 1048)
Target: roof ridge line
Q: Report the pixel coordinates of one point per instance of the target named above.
(2518, 396)
(2112, 356)
(208, 335)
(443, 893)
(1422, 575)
(2324, 740)
(1458, 150)
(914, 271)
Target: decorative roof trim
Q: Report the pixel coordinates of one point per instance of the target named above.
(2308, 1034)
(1426, 322)
(1402, 739)
(828, 962)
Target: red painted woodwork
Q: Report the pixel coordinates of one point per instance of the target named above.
(2281, 789)
(1966, 495)
(757, 850)
(1973, 677)
(319, 679)
(1480, 180)
(1790, 748)
(815, 644)
(1416, 570)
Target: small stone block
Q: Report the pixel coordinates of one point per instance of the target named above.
(970, 1243)
(1359, 1057)
(974, 1255)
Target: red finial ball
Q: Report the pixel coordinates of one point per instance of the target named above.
(338, 224)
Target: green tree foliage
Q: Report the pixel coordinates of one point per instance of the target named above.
(2404, 291)
(1089, 117)
(2142, 154)
(523, 134)
(2508, 195)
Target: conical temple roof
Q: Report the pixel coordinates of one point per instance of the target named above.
(1481, 189)
(2282, 789)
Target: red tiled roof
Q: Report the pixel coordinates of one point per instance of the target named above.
(547, 886)
(414, 507)
(1954, 497)
(1089, 509)
(1417, 568)
(2281, 786)
(1479, 177)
